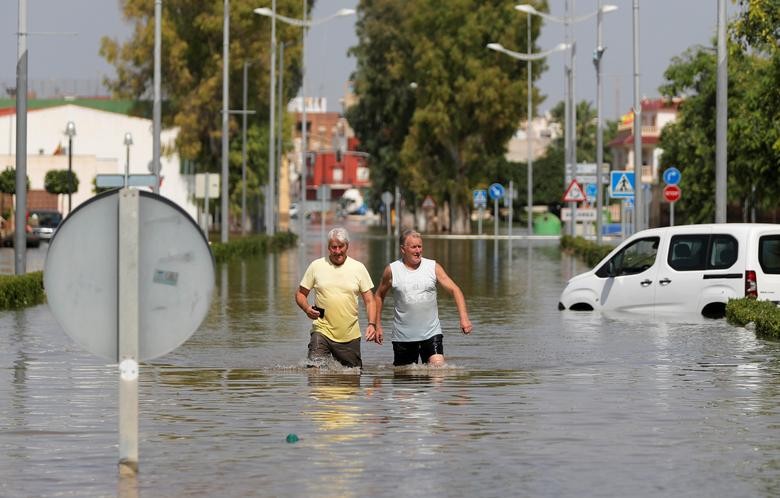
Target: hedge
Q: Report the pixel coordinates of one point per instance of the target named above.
(18, 291)
(588, 251)
(765, 315)
(252, 246)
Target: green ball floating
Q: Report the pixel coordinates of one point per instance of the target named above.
(292, 438)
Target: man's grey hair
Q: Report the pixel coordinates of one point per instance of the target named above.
(405, 234)
(339, 234)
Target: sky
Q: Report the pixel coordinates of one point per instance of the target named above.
(666, 29)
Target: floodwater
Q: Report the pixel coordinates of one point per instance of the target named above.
(536, 402)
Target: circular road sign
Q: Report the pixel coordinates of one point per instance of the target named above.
(175, 275)
(387, 198)
(672, 193)
(496, 191)
(672, 176)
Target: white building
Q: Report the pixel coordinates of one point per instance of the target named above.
(98, 148)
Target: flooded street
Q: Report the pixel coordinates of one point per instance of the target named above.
(535, 402)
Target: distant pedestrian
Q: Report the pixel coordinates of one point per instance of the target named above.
(417, 334)
(338, 280)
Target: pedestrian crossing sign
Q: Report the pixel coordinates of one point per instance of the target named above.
(621, 184)
(574, 193)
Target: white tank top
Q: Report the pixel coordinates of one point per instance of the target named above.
(416, 315)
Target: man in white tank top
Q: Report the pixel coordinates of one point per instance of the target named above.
(417, 333)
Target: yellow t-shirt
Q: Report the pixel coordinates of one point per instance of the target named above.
(337, 288)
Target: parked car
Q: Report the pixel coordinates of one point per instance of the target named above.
(7, 238)
(689, 268)
(44, 222)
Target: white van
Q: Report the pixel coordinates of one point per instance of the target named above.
(682, 269)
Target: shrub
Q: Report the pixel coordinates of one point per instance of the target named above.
(764, 314)
(588, 251)
(252, 245)
(17, 291)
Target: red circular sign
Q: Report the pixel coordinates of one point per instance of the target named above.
(672, 193)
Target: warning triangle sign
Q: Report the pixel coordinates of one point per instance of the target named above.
(623, 185)
(574, 193)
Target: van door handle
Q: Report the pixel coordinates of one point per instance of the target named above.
(645, 282)
(665, 281)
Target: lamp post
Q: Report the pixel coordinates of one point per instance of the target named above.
(128, 142)
(570, 127)
(70, 131)
(528, 58)
(305, 24)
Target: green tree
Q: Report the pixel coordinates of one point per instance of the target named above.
(60, 181)
(753, 132)
(8, 185)
(192, 47)
(435, 104)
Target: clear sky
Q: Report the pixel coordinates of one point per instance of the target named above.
(667, 28)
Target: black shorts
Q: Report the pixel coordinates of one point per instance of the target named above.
(347, 353)
(406, 353)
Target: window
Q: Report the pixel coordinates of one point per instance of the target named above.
(632, 259)
(338, 175)
(723, 252)
(769, 254)
(688, 252)
(702, 252)
(362, 174)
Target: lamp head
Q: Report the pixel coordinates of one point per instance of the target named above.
(528, 9)
(495, 46)
(345, 12)
(128, 138)
(70, 129)
(608, 8)
(264, 11)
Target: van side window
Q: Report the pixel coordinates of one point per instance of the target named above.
(724, 250)
(688, 252)
(632, 259)
(769, 254)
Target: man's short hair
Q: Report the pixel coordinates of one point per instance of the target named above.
(405, 234)
(339, 234)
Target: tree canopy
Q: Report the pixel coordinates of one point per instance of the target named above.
(753, 133)
(436, 106)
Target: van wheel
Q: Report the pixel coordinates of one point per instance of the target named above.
(581, 307)
(714, 310)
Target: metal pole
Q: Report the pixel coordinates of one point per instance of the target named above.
(270, 229)
(573, 120)
(304, 153)
(639, 202)
(528, 136)
(599, 128)
(671, 214)
(397, 232)
(156, 109)
(225, 115)
(128, 323)
(280, 130)
(20, 237)
(70, 172)
(243, 152)
(722, 118)
(567, 173)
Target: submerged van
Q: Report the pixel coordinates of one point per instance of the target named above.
(682, 269)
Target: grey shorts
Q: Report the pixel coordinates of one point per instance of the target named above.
(347, 353)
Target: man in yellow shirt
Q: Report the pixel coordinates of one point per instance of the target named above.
(338, 281)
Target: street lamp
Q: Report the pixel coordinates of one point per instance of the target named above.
(528, 57)
(305, 24)
(570, 129)
(128, 142)
(70, 131)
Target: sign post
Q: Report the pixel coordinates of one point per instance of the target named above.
(387, 200)
(672, 191)
(480, 202)
(129, 298)
(496, 192)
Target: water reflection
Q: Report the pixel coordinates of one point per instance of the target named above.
(536, 402)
